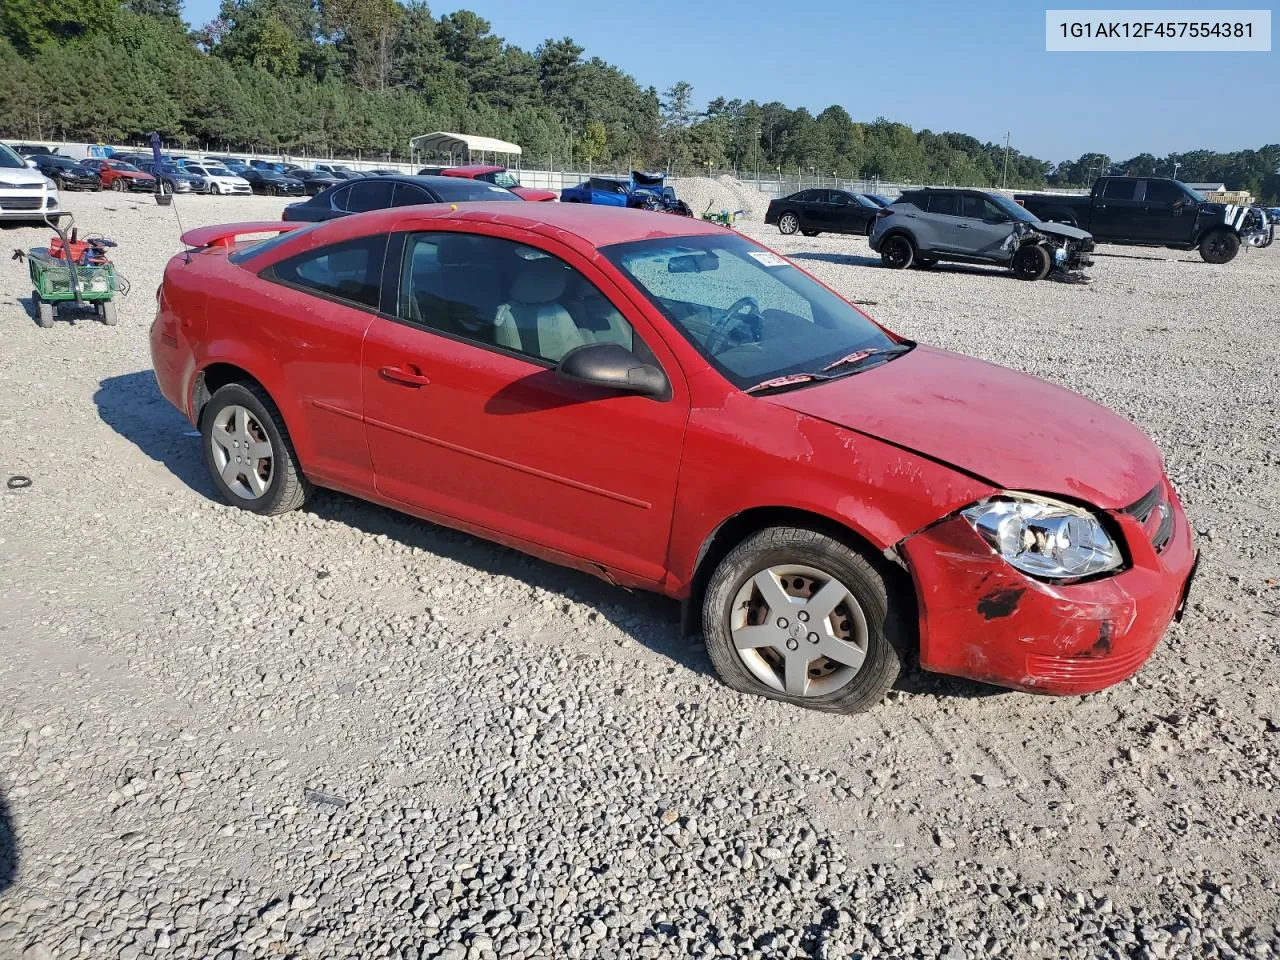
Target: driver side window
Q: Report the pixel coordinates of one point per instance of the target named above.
(507, 295)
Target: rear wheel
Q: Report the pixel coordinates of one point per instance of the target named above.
(797, 616)
(249, 453)
(897, 252)
(811, 233)
(788, 223)
(1220, 246)
(1031, 262)
(43, 309)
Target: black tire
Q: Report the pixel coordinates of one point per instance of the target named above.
(288, 488)
(272, 190)
(107, 312)
(792, 545)
(1031, 262)
(871, 226)
(925, 263)
(811, 233)
(119, 185)
(165, 187)
(1219, 246)
(788, 223)
(43, 310)
(897, 252)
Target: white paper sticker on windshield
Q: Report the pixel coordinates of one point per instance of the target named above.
(767, 258)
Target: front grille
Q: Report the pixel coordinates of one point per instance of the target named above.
(1155, 514)
(20, 186)
(19, 203)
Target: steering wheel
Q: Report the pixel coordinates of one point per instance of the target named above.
(730, 320)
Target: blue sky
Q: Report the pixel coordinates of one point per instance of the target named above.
(977, 67)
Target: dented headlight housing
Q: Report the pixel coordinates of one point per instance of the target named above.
(1045, 538)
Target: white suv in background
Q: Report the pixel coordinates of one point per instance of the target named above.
(218, 178)
(25, 193)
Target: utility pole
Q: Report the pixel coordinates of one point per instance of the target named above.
(1176, 165)
(1004, 177)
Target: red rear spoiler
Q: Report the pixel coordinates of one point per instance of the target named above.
(225, 234)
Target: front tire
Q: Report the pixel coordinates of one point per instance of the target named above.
(1031, 262)
(118, 185)
(215, 189)
(1220, 246)
(897, 252)
(795, 615)
(248, 451)
(788, 224)
(43, 309)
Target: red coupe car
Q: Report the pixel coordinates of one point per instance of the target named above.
(501, 177)
(119, 175)
(668, 405)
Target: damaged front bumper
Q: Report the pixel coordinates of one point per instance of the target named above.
(1258, 229)
(982, 619)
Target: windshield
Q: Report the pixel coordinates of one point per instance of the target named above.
(753, 315)
(1014, 210)
(121, 165)
(1196, 195)
(10, 160)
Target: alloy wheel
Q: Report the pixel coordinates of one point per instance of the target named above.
(242, 452)
(788, 224)
(799, 631)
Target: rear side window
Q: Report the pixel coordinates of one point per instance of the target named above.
(349, 271)
(1119, 189)
(947, 204)
(369, 195)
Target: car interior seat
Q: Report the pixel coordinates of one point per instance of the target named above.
(598, 320)
(537, 311)
(462, 294)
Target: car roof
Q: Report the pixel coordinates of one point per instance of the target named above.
(476, 168)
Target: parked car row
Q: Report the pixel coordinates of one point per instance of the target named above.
(1031, 234)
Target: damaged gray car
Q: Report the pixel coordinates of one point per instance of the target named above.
(923, 227)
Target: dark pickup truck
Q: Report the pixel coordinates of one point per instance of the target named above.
(1156, 212)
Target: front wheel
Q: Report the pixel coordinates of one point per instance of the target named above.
(1220, 246)
(788, 223)
(897, 252)
(165, 188)
(249, 453)
(215, 189)
(43, 309)
(1031, 262)
(272, 190)
(118, 185)
(797, 616)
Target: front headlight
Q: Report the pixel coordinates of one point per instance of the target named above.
(49, 184)
(1045, 538)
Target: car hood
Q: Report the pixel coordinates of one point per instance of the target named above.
(1012, 430)
(1063, 230)
(533, 194)
(14, 176)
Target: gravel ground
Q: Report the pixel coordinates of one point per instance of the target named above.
(344, 733)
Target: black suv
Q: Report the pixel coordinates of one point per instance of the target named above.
(922, 227)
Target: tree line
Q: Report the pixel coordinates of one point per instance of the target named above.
(341, 77)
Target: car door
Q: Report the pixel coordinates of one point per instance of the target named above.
(812, 210)
(1168, 213)
(847, 214)
(319, 305)
(467, 419)
(983, 229)
(1116, 211)
(939, 229)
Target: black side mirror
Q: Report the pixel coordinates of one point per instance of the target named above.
(615, 367)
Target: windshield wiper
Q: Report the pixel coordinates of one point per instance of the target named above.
(790, 380)
(858, 357)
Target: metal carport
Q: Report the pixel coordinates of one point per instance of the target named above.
(462, 148)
